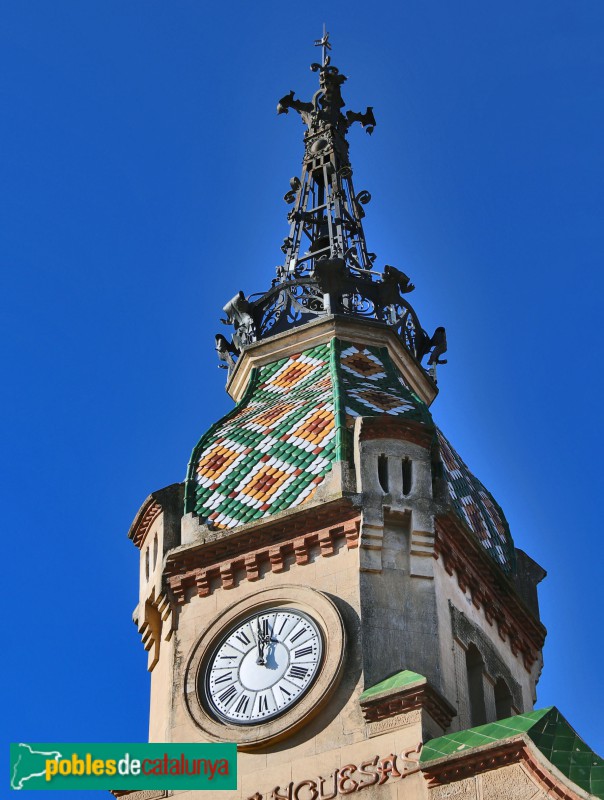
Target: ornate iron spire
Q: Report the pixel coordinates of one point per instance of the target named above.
(327, 268)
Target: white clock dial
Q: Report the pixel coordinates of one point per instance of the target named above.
(263, 666)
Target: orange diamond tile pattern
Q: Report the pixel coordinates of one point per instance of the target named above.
(372, 385)
(274, 449)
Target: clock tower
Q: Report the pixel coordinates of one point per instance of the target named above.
(331, 587)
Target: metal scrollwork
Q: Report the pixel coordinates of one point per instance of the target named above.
(362, 306)
(328, 268)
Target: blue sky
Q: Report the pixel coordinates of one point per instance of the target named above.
(142, 170)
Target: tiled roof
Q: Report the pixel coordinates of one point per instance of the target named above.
(273, 450)
(550, 733)
(477, 507)
(371, 385)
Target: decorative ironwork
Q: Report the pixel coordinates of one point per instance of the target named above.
(327, 267)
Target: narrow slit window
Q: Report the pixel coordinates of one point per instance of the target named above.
(407, 467)
(383, 472)
(155, 551)
(147, 564)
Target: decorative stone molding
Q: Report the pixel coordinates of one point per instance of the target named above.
(451, 769)
(212, 568)
(417, 696)
(169, 501)
(552, 785)
(485, 764)
(207, 546)
(467, 633)
(421, 544)
(154, 622)
(363, 331)
(149, 512)
(489, 589)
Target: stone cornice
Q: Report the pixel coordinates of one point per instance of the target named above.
(492, 756)
(489, 588)
(149, 512)
(225, 560)
(367, 332)
(418, 695)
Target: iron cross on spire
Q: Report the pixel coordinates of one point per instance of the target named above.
(324, 43)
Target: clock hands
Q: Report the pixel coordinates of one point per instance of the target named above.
(264, 638)
(260, 660)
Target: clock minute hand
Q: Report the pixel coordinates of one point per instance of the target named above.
(260, 660)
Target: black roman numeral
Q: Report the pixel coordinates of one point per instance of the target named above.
(285, 691)
(298, 672)
(224, 678)
(243, 638)
(301, 632)
(303, 651)
(262, 703)
(283, 626)
(242, 705)
(226, 696)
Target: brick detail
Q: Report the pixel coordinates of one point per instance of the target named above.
(419, 697)
(252, 567)
(465, 766)
(203, 580)
(489, 589)
(276, 558)
(149, 516)
(407, 430)
(457, 768)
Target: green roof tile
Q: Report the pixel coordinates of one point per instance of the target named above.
(401, 680)
(549, 732)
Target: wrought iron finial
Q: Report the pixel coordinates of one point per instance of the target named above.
(327, 267)
(325, 44)
(324, 111)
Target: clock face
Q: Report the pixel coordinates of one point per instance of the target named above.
(263, 666)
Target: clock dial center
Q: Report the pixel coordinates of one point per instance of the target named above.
(254, 676)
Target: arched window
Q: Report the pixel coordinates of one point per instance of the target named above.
(383, 472)
(475, 670)
(503, 700)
